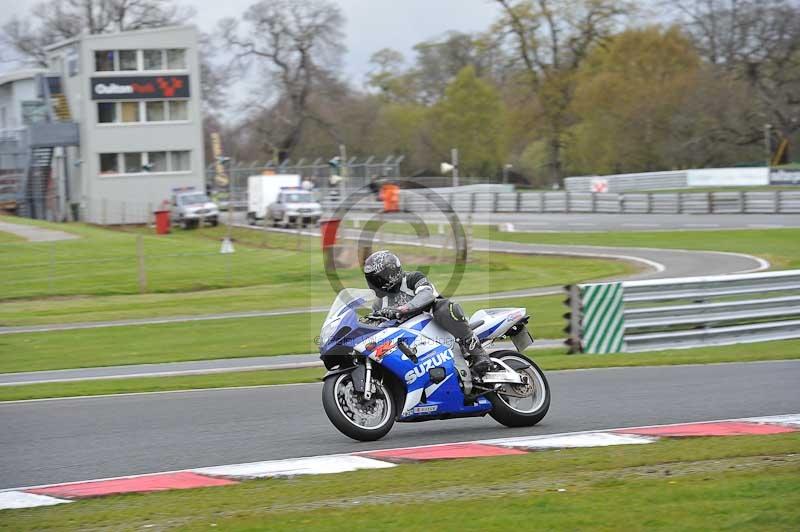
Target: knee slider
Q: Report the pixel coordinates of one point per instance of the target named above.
(457, 312)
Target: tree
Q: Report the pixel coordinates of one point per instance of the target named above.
(628, 92)
(471, 117)
(757, 42)
(56, 20)
(550, 39)
(299, 46)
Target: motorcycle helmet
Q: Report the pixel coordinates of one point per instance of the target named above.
(383, 271)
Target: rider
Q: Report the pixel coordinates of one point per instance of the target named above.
(402, 295)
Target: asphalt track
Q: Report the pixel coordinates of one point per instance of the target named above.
(63, 440)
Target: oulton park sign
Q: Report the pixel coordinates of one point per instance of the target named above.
(140, 87)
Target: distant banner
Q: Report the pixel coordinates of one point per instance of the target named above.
(784, 177)
(140, 87)
(220, 177)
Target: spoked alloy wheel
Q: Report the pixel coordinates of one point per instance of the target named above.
(522, 405)
(356, 417)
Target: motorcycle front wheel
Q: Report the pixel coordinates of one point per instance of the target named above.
(522, 405)
(356, 417)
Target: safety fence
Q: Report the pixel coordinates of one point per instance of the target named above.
(647, 315)
(737, 202)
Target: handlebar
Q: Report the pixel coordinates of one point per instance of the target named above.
(375, 317)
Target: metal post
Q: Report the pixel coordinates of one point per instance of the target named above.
(519, 201)
(52, 250)
(742, 202)
(454, 159)
(710, 201)
(649, 197)
(496, 202)
(567, 201)
(140, 264)
(472, 204)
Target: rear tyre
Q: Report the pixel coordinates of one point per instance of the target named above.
(354, 416)
(518, 411)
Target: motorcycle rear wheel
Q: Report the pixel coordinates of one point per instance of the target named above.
(354, 416)
(510, 411)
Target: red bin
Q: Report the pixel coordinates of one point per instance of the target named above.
(162, 222)
(329, 228)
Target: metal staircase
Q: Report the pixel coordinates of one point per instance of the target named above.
(37, 195)
(38, 183)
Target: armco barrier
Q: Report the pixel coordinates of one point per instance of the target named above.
(655, 314)
(738, 202)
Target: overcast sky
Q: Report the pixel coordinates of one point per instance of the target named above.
(371, 24)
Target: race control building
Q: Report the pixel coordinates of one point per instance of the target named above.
(121, 127)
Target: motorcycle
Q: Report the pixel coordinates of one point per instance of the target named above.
(381, 370)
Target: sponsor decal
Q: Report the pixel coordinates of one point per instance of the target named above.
(140, 87)
(420, 370)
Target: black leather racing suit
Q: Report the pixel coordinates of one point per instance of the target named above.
(417, 294)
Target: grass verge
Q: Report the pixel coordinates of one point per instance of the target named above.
(547, 359)
(226, 338)
(702, 483)
(95, 278)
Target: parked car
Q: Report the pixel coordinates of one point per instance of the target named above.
(190, 208)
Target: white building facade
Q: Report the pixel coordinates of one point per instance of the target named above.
(136, 99)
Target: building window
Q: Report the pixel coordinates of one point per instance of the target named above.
(109, 163)
(153, 59)
(130, 112)
(106, 112)
(178, 110)
(133, 162)
(157, 161)
(156, 111)
(179, 161)
(176, 59)
(104, 60)
(128, 60)
(145, 162)
(142, 111)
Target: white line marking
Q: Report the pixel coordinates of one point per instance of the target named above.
(766, 226)
(313, 465)
(19, 499)
(174, 373)
(591, 439)
(700, 225)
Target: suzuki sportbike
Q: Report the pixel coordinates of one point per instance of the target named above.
(381, 370)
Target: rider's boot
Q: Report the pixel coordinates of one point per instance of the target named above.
(479, 359)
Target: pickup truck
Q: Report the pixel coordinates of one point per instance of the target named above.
(190, 208)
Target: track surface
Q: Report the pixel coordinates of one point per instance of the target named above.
(78, 439)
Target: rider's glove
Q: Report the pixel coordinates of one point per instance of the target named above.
(392, 313)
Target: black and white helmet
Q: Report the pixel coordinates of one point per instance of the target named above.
(383, 271)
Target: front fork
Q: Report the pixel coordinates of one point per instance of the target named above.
(368, 380)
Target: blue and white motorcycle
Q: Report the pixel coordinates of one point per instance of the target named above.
(381, 371)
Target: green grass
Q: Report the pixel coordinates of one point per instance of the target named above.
(190, 275)
(747, 482)
(779, 246)
(547, 359)
(10, 237)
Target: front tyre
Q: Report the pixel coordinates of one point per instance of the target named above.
(521, 405)
(355, 417)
